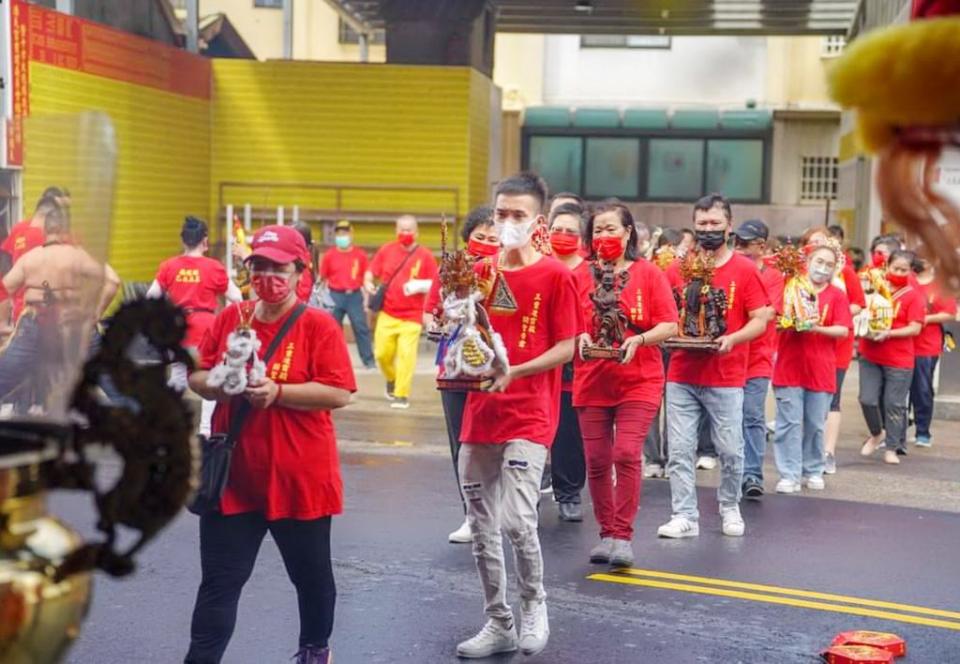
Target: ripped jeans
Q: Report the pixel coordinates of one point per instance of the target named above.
(501, 485)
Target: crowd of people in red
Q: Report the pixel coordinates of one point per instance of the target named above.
(552, 416)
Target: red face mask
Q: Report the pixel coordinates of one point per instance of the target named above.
(564, 244)
(405, 239)
(482, 249)
(898, 280)
(271, 288)
(878, 259)
(608, 248)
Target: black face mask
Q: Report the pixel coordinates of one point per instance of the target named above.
(711, 240)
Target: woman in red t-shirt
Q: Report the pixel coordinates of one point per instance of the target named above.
(617, 401)
(887, 360)
(483, 243)
(846, 279)
(568, 472)
(805, 379)
(285, 475)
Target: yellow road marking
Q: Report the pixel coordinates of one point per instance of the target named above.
(773, 599)
(909, 608)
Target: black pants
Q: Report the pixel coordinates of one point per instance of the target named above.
(454, 402)
(568, 468)
(884, 392)
(228, 550)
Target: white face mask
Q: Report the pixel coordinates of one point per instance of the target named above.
(515, 236)
(819, 275)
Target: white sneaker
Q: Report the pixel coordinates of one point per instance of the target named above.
(732, 521)
(788, 486)
(815, 483)
(652, 470)
(462, 535)
(534, 627)
(490, 640)
(679, 527)
(707, 463)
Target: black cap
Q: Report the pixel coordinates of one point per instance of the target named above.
(752, 229)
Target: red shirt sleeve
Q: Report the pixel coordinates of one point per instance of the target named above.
(775, 284)
(916, 308)
(219, 278)
(209, 348)
(663, 305)
(854, 288)
(673, 275)
(329, 360)
(944, 305)
(324, 272)
(8, 241)
(163, 275)
(376, 265)
(433, 297)
(754, 294)
(565, 309)
(840, 311)
(363, 262)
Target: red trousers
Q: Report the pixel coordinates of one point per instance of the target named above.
(613, 438)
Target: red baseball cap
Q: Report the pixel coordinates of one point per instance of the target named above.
(280, 244)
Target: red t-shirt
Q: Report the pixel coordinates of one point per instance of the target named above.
(421, 265)
(546, 314)
(285, 464)
(808, 359)
(22, 238)
(849, 283)
(343, 270)
(763, 348)
(648, 301)
(908, 307)
(739, 278)
(194, 283)
(930, 341)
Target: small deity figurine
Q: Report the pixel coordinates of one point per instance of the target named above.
(470, 352)
(609, 318)
(703, 308)
(801, 310)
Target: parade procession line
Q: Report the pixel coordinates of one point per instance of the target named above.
(805, 599)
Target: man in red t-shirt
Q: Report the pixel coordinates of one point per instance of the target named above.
(710, 384)
(750, 240)
(506, 432)
(341, 270)
(406, 271)
(195, 283)
(941, 308)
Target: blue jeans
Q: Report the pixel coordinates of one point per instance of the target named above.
(723, 407)
(921, 393)
(798, 438)
(351, 304)
(754, 427)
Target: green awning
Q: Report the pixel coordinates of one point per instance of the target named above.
(746, 119)
(645, 118)
(597, 118)
(547, 116)
(695, 119)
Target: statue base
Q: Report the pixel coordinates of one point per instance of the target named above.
(601, 353)
(705, 344)
(465, 383)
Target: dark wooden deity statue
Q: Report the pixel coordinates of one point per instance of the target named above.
(703, 308)
(609, 318)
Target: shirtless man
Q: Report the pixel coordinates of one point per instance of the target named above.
(65, 290)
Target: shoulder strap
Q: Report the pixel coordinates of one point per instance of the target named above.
(410, 253)
(243, 408)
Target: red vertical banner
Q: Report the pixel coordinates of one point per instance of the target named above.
(20, 83)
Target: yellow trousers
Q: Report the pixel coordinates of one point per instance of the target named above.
(395, 348)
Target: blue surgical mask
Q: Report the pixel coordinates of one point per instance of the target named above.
(343, 241)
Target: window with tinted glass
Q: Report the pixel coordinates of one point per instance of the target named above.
(735, 168)
(559, 160)
(612, 168)
(675, 168)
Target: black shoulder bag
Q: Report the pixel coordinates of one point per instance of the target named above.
(376, 300)
(217, 449)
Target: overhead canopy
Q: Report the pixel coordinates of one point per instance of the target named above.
(646, 17)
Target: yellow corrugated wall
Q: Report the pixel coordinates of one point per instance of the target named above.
(163, 165)
(318, 122)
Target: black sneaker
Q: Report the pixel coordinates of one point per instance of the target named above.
(313, 655)
(901, 452)
(752, 488)
(389, 391)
